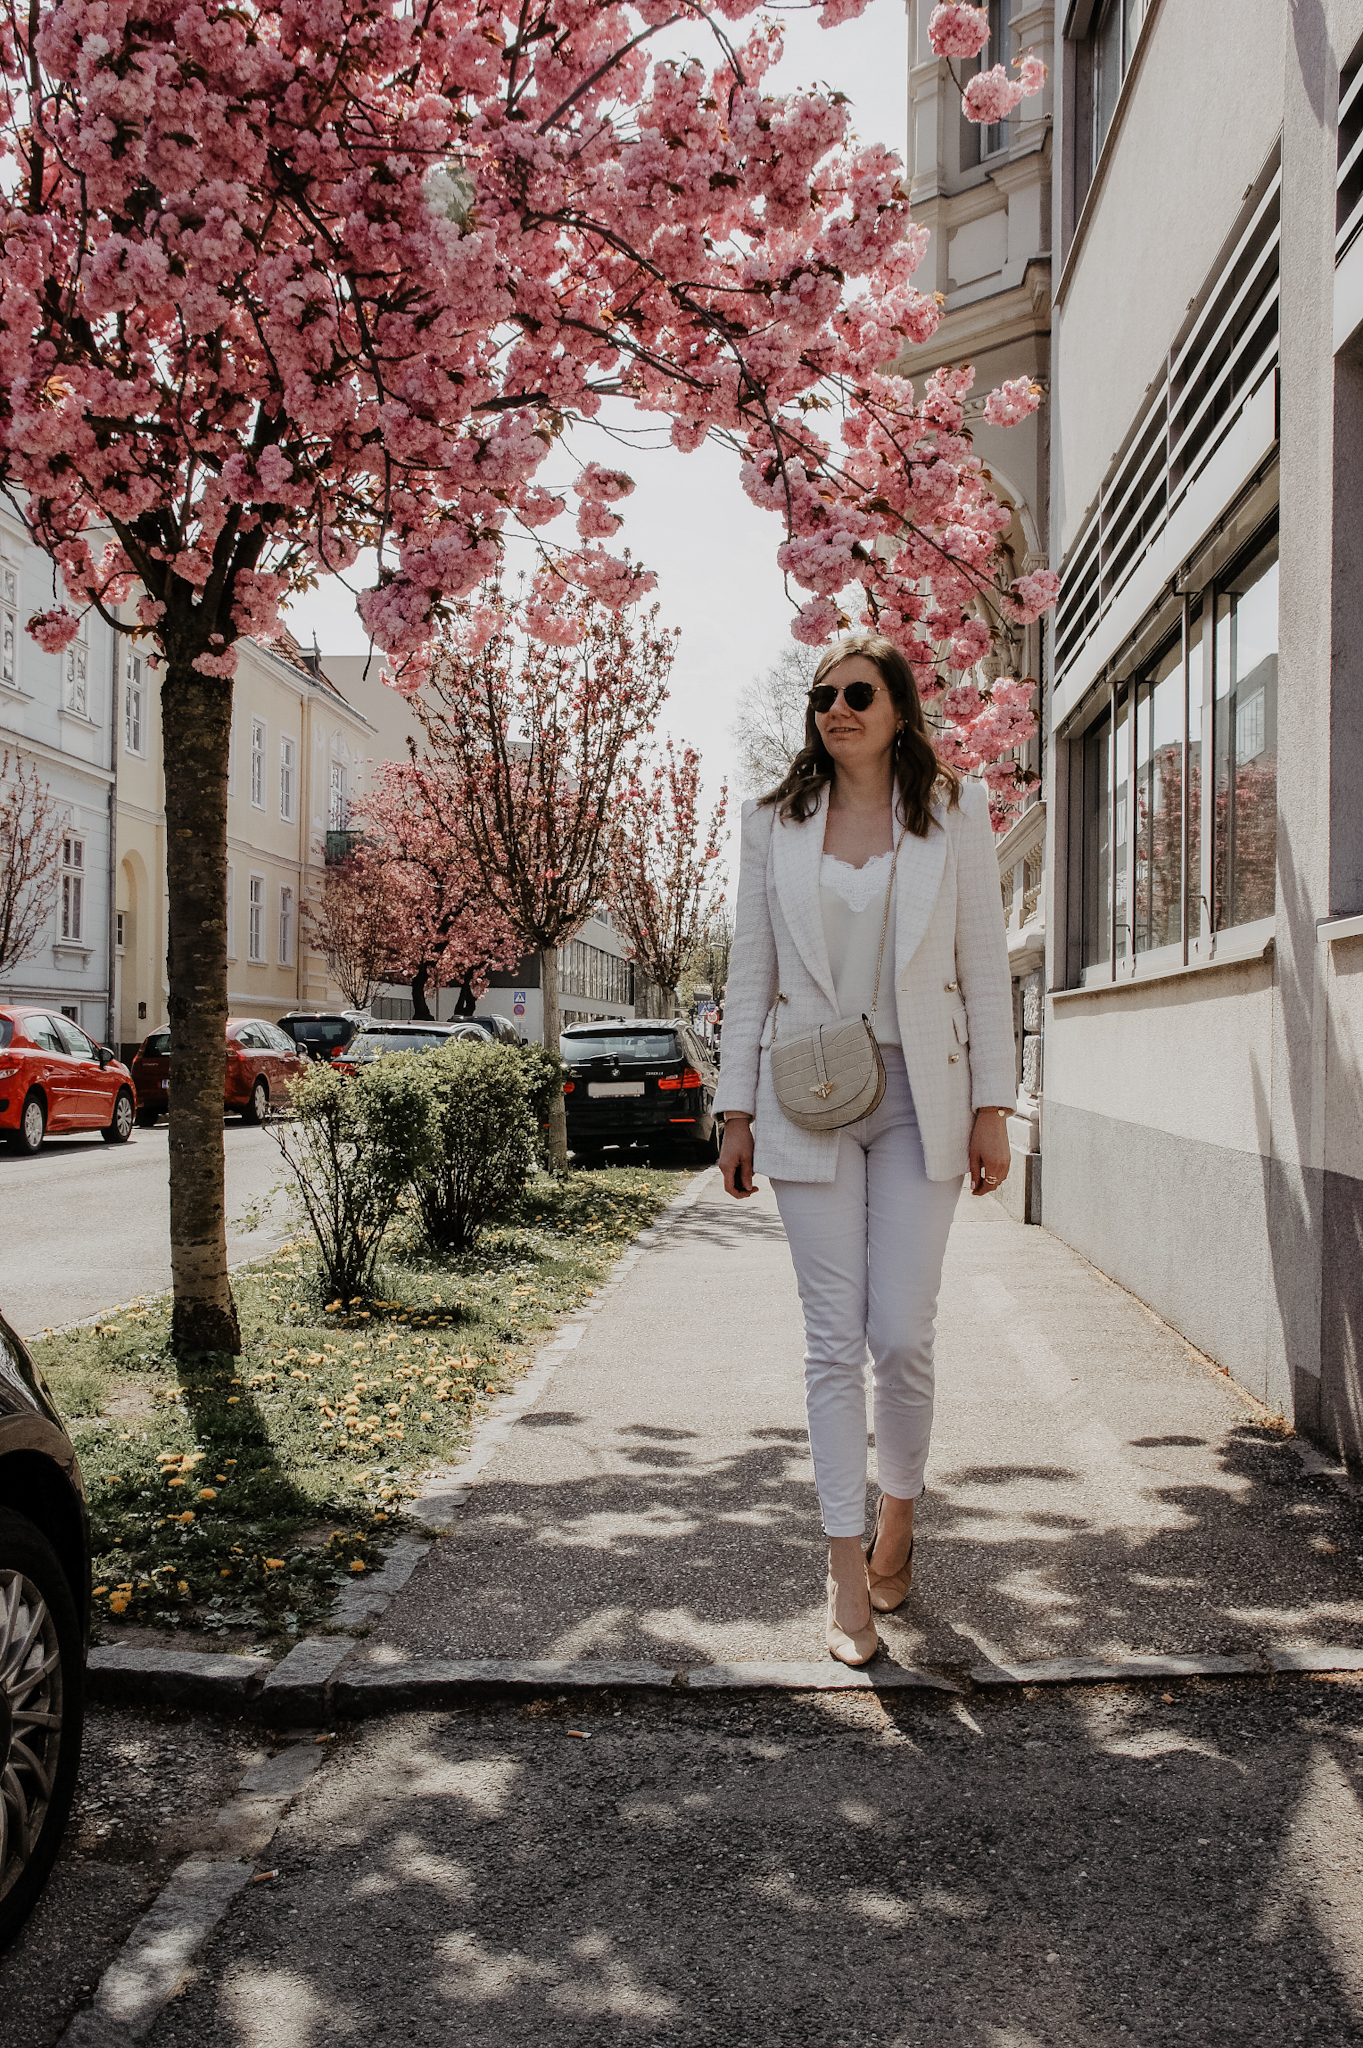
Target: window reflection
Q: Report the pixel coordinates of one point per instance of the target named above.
(1096, 946)
(1245, 745)
(1121, 828)
(1159, 804)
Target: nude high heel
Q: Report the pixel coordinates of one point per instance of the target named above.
(855, 1647)
(889, 1589)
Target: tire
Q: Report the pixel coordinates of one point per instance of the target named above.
(147, 1118)
(119, 1128)
(707, 1149)
(39, 1776)
(32, 1126)
(258, 1108)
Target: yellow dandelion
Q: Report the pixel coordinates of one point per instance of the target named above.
(357, 1564)
(274, 1564)
(207, 1493)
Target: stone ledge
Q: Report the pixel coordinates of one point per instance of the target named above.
(828, 1676)
(1315, 1660)
(1094, 1670)
(118, 1675)
(436, 1681)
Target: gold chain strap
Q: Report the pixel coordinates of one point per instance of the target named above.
(884, 927)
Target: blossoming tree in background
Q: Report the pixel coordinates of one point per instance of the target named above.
(665, 880)
(529, 734)
(448, 933)
(30, 850)
(283, 280)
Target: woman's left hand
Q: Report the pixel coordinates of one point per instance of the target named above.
(990, 1152)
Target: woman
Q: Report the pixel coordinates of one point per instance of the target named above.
(867, 1208)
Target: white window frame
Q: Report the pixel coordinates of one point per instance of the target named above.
(134, 706)
(231, 905)
(286, 916)
(76, 679)
(120, 930)
(338, 798)
(288, 778)
(71, 909)
(258, 739)
(255, 920)
(9, 627)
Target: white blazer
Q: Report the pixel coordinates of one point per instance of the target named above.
(953, 992)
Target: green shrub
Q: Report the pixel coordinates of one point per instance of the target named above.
(543, 1069)
(482, 1138)
(353, 1145)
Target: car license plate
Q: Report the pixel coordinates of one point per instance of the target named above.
(166, 1083)
(615, 1087)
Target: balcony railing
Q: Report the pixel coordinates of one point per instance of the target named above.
(340, 846)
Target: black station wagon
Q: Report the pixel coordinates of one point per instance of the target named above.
(641, 1082)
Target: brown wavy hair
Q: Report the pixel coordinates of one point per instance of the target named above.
(918, 773)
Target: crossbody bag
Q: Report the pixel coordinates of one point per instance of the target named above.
(833, 1075)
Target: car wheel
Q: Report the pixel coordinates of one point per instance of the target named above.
(41, 1714)
(146, 1118)
(119, 1128)
(32, 1126)
(707, 1149)
(258, 1108)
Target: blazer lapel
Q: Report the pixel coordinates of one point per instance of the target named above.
(796, 852)
(918, 878)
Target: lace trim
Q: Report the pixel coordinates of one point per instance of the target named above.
(858, 888)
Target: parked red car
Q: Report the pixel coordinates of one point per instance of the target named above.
(262, 1063)
(53, 1078)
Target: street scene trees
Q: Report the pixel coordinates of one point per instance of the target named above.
(30, 859)
(247, 361)
(665, 880)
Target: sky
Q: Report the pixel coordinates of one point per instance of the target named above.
(688, 519)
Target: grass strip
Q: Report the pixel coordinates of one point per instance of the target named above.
(241, 1493)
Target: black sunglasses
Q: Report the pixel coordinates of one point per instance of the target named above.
(856, 696)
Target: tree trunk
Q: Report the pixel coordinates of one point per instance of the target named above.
(196, 715)
(553, 1026)
(467, 1005)
(421, 1009)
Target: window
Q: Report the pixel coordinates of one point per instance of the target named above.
(72, 1037)
(77, 678)
(285, 927)
(1114, 43)
(590, 971)
(338, 808)
(1192, 853)
(255, 918)
(287, 755)
(134, 710)
(231, 936)
(997, 51)
(9, 627)
(1245, 745)
(72, 886)
(258, 763)
(119, 929)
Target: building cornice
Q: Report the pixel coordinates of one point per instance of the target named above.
(999, 321)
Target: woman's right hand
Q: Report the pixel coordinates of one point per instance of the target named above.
(735, 1156)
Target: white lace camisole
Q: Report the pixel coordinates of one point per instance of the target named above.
(853, 904)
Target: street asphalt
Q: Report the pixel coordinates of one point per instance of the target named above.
(1099, 1868)
(1094, 1489)
(87, 1225)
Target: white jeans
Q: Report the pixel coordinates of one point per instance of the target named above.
(868, 1253)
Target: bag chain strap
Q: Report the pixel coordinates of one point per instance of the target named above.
(884, 927)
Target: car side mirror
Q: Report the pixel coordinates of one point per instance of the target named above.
(104, 1055)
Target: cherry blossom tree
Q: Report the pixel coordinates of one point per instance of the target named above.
(665, 880)
(448, 931)
(30, 851)
(362, 903)
(528, 742)
(284, 280)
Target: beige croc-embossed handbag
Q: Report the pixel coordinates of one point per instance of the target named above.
(833, 1075)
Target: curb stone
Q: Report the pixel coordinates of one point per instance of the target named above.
(1091, 1670)
(151, 1965)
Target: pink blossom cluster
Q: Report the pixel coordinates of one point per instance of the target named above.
(54, 630)
(1014, 401)
(958, 31)
(991, 95)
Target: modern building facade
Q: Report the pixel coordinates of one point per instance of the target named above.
(58, 714)
(1204, 1008)
(986, 195)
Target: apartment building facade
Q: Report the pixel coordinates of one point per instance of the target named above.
(58, 715)
(1204, 1007)
(986, 195)
(299, 755)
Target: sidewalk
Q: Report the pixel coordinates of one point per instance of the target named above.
(1094, 1489)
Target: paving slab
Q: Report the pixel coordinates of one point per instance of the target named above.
(1095, 1492)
